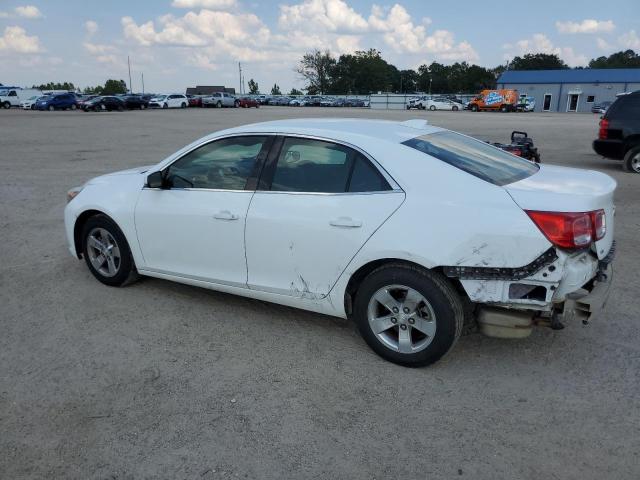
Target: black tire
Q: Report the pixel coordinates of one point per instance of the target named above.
(474, 108)
(236, 104)
(432, 108)
(454, 108)
(74, 106)
(6, 105)
(51, 108)
(436, 289)
(183, 105)
(631, 162)
(219, 104)
(165, 105)
(504, 109)
(126, 272)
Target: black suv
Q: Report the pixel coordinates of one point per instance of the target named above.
(619, 133)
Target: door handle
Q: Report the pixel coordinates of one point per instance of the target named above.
(225, 215)
(345, 222)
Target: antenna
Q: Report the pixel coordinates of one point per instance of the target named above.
(142, 83)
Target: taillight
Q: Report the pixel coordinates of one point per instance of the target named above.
(604, 129)
(516, 152)
(599, 222)
(569, 229)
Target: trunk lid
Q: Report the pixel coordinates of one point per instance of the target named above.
(564, 189)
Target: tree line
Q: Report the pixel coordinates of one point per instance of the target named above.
(365, 72)
(110, 87)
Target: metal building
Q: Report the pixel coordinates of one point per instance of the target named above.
(571, 90)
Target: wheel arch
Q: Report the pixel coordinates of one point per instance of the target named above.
(361, 273)
(79, 225)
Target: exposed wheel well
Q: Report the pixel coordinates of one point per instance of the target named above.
(77, 228)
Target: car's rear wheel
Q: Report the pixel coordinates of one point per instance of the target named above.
(183, 105)
(408, 315)
(164, 105)
(219, 104)
(504, 109)
(6, 105)
(432, 108)
(474, 108)
(73, 106)
(632, 160)
(107, 252)
(454, 108)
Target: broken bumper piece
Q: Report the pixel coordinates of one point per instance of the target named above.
(587, 303)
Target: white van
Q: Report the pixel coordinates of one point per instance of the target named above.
(13, 97)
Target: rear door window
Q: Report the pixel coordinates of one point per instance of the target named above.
(473, 156)
(316, 166)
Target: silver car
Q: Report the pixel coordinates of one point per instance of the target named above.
(220, 99)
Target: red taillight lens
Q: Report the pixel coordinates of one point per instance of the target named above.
(565, 230)
(598, 220)
(604, 129)
(516, 152)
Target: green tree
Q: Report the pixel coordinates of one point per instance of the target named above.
(113, 87)
(55, 86)
(622, 59)
(538, 61)
(363, 72)
(253, 87)
(315, 68)
(295, 91)
(275, 90)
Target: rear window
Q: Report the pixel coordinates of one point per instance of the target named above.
(473, 156)
(626, 106)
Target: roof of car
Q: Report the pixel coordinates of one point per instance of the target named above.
(344, 128)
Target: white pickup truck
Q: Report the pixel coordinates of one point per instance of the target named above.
(13, 97)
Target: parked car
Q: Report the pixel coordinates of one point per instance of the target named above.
(354, 102)
(513, 245)
(195, 100)
(299, 102)
(280, 100)
(504, 100)
(104, 103)
(419, 103)
(443, 104)
(220, 100)
(327, 101)
(60, 101)
(13, 97)
(526, 103)
(174, 100)
(619, 132)
(82, 99)
(135, 102)
(30, 103)
(600, 107)
(248, 102)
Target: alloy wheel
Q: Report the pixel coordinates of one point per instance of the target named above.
(103, 252)
(402, 319)
(635, 163)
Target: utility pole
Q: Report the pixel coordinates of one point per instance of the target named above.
(129, 64)
(430, 80)
(240, 76)
(143, 83)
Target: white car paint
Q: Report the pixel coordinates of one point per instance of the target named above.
(29, 103)
(301, 249)
(173, 100)
(442, 104)
(14, 97)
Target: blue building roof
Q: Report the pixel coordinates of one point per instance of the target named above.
(585, 75)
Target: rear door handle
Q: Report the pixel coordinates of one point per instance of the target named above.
(345, 222)
(225, 215)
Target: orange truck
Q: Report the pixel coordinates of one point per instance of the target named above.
(504, 100)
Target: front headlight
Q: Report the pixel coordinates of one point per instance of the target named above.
(73, 193)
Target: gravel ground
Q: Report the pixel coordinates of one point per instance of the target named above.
(161, 380)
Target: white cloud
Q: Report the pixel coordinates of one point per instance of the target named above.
(401, 34)
(91, 27)
(540, 43)
(28, 11)
(603, 44)
(15, 39)
(630, 40)
(97, 49)
(215, 4)
(331, 15)
(586, 26)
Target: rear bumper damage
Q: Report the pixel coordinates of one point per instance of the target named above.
(556, 288)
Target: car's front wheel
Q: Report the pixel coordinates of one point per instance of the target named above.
(632, 160)
(408, 315)
(51, 108)
(106, 252)
(432, 108)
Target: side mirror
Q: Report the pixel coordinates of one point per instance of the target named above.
(155, 180)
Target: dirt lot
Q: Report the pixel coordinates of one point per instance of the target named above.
(160, 380)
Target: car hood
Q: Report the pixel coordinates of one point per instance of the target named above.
(109, 177)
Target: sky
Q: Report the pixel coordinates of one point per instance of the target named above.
(181, 43)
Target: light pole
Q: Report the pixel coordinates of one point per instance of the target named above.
(430, 80)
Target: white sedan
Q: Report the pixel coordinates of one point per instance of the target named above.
(443, 104)
(410, 230)
(30, 103)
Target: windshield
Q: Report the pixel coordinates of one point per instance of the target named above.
(473, 156)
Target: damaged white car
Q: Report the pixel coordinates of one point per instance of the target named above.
(411, 230)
